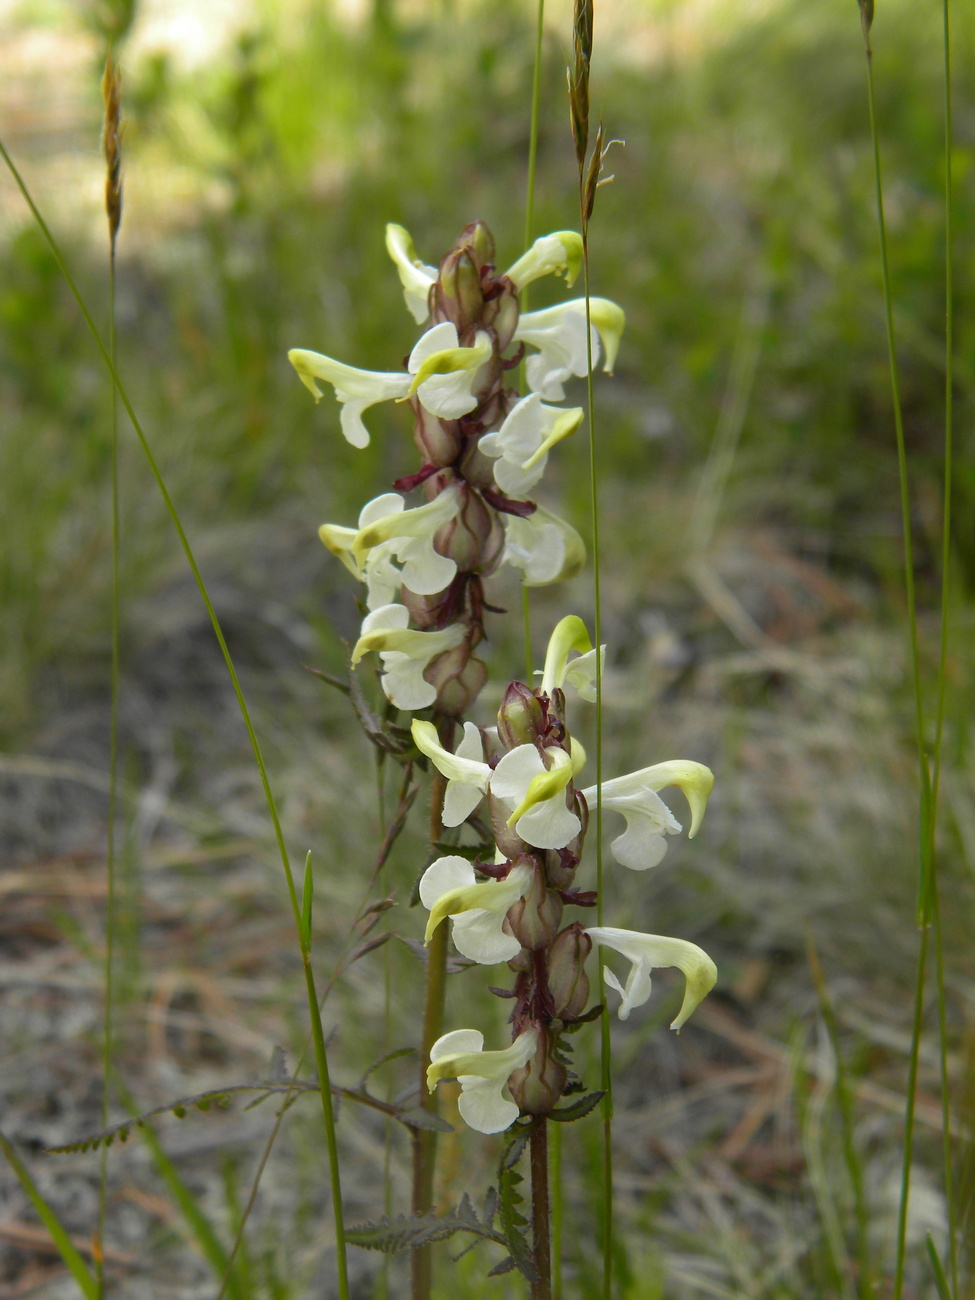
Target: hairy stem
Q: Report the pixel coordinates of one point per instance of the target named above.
(541, 1231)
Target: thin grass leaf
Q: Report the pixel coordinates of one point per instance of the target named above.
(66, 1248)
(937, 1268)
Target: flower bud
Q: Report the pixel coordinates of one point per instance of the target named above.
(535, 919)
(457, 295)
(567, 979)
(537, 1086)
(502, 315)
(438, 441)
(520, 718)
(459, 677)
(474, 538)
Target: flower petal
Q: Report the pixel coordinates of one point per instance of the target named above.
(544, 547)
(558, 252)
(357, 390)
(646, 951)
(415, 278)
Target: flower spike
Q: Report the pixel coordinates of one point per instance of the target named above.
(644, 951)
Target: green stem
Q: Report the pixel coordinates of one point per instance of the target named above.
(224, 650)
(541, 1230)
(927, 811)
(425, 1140)
(108, 1035)
(605, 1044)
(943, 656)
(533, 134)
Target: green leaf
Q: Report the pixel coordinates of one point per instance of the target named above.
(513, 1221)
(940, 1280)
(578, 1109)
(66, 1248)
(307, 895)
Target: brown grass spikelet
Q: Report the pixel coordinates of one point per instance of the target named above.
(579, 76)
(111, 144)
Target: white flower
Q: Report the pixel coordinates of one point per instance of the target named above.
(645, 951)
(482, 1075)
(415, 278)
(405, 652)
(440, 373)
(544, 547)
(468, 775)
(560, 251)
(448, 887)
(524, 440)
(444, 373)
(357, 390)
(409, 534)
(560, 335)
(648, 819)
(570, 634)
(380, 574)
(540, 816)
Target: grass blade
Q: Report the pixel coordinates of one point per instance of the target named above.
(66, 1248)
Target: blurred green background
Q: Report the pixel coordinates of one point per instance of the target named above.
(755, 608)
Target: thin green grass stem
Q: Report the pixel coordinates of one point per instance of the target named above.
(523, 295)
(943, 653)
(108, 1028)
(605, 1044)
(926, 839)
(844, 1095)
(238, 692)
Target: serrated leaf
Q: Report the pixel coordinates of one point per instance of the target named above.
(507, 1265)
(277, 1070)
(411, 1232)
(578, 1109)
(394, 1055)
(514, 1150)
(513, 1221)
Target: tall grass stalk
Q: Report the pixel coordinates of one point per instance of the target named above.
(588, 181)
(321, 1058)
(927, 886)
(111, 146)
(943, 652)
(523, 296)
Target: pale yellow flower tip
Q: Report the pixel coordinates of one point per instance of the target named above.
(569, 633)
(700, 974)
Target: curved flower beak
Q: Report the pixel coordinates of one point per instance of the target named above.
(556, 253)
(416, 279)
(448, 888)
(644, 952)
(467, 774)
(356, 390)
(648, 819)
(569, 634)
(482, 1075)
